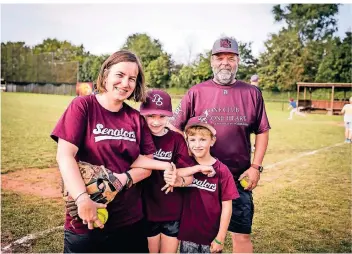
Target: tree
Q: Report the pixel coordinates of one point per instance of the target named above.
(157, 72)
(336, 65)
(146, 48)
(91, 67)
(281, 65)
(248, 63)
(312, 21)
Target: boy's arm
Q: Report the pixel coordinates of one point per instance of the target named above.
(226, 212)
(206, 170)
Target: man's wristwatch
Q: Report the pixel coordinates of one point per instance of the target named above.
(260, 168)
(129, 181)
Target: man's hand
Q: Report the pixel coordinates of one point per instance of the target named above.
(253, 178)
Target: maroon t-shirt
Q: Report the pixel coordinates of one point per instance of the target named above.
(112, 139)
(201, 214)
(159, 206)
(235, 111)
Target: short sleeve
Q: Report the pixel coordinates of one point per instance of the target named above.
(262, 123)
(182, 158)
(228, 187)
(73, 123)
(183, 112)
(147, 145)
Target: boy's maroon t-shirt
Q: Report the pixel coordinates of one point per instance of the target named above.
(201, 214)
(112, 139)
(159, 206)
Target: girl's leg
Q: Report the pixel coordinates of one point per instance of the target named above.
(154, 243)
(168, 244)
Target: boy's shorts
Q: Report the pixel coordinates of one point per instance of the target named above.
(169, 228)
(242, 212)
(348, 125)
(191, 247)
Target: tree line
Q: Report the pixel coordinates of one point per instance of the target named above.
(304, 50)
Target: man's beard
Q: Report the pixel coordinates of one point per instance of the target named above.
(224, 77)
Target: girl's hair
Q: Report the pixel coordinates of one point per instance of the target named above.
(139, 93)
(291, 99)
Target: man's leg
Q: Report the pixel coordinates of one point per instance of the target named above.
(241, 243)
(241, 221)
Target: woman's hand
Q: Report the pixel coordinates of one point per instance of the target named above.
(87, 211)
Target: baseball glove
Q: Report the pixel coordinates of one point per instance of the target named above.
(102, 186)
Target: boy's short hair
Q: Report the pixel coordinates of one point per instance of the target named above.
(197, 129)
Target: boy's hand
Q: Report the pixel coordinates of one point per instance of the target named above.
(207, 170)
(215, 247)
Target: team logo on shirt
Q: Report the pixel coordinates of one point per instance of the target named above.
(119, 134)
(224, 116)
(204, 117)
(157, 99)
(162, 155)
(204, 185)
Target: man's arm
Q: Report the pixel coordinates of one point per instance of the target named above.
(261, 144)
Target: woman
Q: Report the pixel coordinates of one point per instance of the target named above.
(103, 130)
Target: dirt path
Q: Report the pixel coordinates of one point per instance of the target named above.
(41, 182)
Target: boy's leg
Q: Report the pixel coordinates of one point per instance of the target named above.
(241, 221)
(189, 247)
(169, 241)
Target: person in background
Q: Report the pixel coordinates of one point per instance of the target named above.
(294, 109)
(347, 118)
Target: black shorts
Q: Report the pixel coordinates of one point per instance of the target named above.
(128, 239)
(242, 212)
(169, 228)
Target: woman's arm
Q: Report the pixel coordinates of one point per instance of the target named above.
(226, 211)
(87, 209)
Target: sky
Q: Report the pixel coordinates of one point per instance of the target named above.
(184, 29)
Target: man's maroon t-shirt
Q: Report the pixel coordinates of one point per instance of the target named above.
(235, 111)
(112, 139)
(159, 206)
(201, 214)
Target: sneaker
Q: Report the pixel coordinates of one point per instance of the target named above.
(348, 141)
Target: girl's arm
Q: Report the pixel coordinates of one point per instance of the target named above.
(145, 162)
(226, 211)
(206, 170)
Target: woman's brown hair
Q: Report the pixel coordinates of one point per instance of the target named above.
(139, 93)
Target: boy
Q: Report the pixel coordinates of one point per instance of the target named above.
(163, 212)
(207, 205)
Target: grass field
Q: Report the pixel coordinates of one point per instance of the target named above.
(302, 205)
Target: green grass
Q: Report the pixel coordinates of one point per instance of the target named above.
(301, 206)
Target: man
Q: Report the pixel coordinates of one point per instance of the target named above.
(236, 109)
(255, 80)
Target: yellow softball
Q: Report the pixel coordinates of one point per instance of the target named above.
(244, 182)
(103, 216)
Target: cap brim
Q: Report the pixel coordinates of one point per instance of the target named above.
(224, 51)
(155, 112)
(205, 125)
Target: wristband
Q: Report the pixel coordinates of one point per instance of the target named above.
(217, 241)
(79, 195)
(183, 182)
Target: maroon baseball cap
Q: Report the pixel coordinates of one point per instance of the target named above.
(158, 103)
(197, 121)
(225, 45)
